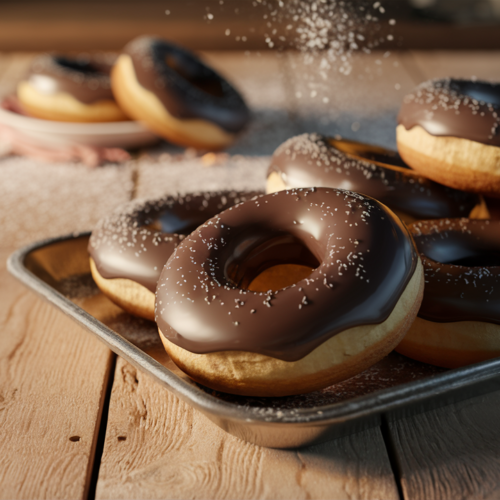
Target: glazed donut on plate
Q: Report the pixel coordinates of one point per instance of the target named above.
(449, 131)
(361, 287)
(129, 248)
(459, 320)
(315, 160)
(68, 89)
(177, 96)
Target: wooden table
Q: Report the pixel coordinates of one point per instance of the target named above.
(76, 421)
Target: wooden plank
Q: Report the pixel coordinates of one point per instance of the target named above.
(158, 447)
(62, 35)
(58, 25)
(53, 378)
(53, 374)
(63, 26)
(361, 105)
(451, 452)
(452, 36)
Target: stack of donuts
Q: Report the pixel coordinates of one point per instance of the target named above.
(449, 136)
(354, 250)
(166, 87)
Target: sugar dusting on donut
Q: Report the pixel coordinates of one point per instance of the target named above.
(321, 164)
(469, 109)
(125, 245)
(125, 229)
(326, 158)
(195, 275)
(93, 80)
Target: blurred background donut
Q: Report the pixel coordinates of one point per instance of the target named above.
(70, 89)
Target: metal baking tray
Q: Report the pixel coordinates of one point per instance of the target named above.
(58, 270)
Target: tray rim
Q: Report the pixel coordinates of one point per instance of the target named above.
(376, 403)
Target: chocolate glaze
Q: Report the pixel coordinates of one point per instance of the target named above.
(461, 259)
(368, 152)
(363, 254)
(185, 85)
(136, 240)
(85, 78)
(466, 109)
(313, 160)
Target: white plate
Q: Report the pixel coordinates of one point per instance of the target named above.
(128, 134)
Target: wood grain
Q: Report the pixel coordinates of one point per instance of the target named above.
(158, 447)
(66, 25)
(53, 377)
(450, 453)
(53, 374)
(95, 25)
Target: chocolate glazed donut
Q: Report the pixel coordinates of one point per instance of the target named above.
(449, 131)
(315, 160)
(74, 89)
(129, 248)
(459, 320)
(177, 95)
(362, 292)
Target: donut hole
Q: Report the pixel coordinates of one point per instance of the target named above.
(374, 154)
(270, 263)
(480, 91)
(460, 249)
(280, 276)
(195, 73)
(182, 214)
(172, 223)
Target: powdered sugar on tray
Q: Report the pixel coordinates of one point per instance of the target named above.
(166, 173)
(41, 201)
